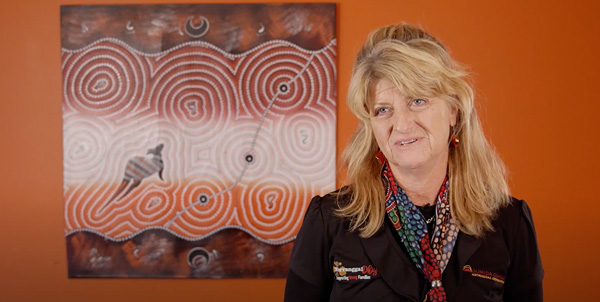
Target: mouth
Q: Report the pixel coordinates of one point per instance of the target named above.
(406, 142)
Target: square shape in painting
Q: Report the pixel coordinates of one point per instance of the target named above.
(194, 135)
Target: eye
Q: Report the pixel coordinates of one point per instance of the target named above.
(380, 111)
(418, 102)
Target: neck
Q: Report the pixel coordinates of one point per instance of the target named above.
(421, 185)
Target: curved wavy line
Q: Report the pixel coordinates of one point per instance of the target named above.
(271, 242)
(199, 43)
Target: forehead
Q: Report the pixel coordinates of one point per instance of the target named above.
(385, 86)
(385, 89)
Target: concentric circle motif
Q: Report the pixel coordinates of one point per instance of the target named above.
(106, 80)
(245, 139)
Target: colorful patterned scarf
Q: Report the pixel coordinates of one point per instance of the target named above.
(430, 257)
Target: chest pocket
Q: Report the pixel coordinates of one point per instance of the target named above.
(488, 283)
(353, 273)
(484, 275)
(357, 282)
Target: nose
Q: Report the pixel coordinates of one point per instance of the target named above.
(403, 120)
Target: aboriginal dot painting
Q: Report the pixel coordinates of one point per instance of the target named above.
(194, 135)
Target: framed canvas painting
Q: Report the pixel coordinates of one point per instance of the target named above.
(194, 135)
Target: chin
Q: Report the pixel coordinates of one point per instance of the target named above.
(408, 164)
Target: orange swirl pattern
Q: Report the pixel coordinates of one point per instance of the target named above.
(239, 140)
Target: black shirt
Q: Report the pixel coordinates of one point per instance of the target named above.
(428, 212)
(329, 263)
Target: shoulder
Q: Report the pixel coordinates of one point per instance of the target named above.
(524, 278)
(310, 254)
(515, 221)
(322, 217)
(328, 204)
(514, 212)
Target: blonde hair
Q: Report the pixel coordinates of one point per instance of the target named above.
(419, 65)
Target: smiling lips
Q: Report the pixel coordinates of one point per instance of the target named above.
(407, 142)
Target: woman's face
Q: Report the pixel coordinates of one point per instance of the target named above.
(411, 131)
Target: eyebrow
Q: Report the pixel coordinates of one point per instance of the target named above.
(381, 102)
(388, 101)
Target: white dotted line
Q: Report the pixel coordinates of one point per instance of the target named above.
(197, 43)
(106, 237)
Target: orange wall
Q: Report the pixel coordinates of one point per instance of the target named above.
(537, 72)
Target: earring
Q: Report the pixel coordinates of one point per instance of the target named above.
(454, 140)
(380, 157)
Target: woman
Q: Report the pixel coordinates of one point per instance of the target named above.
(427, 214)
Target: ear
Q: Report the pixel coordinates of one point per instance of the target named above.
(453, 116)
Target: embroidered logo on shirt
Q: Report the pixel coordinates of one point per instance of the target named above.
(365, 272)
(479, 273)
